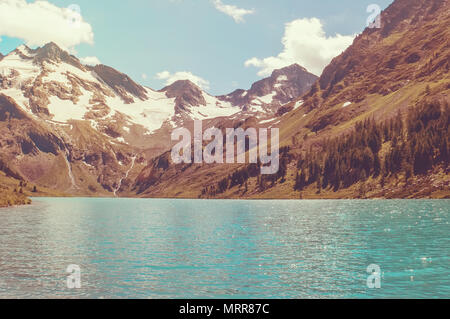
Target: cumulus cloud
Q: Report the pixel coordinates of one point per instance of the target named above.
(305, 43)
(170, 78)
(40, 22)
(90, 60)
(236, 13)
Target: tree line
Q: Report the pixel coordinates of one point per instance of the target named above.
(410, 146)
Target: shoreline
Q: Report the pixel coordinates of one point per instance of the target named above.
(11, 201)
(235, 199)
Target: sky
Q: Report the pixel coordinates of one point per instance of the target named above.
(220, 45)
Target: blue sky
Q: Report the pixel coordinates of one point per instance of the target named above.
(145, 37)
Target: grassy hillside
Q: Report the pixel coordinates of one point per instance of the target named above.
(384, 75)
(10, 192)
(400, 158)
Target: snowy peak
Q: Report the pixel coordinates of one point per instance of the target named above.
(288, 83)
(192, 103)
(269, 94)
(180, 87)
(293, 69)
(50, 84)
(121, 83)
(53, 54)
(293, 75)
(51, 51)
(186, 95)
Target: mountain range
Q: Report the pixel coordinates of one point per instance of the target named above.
(72, 129)
(83, 130)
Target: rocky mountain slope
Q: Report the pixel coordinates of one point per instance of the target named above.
(374, 125)
(87, 130)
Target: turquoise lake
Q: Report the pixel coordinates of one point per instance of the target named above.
(151, 248)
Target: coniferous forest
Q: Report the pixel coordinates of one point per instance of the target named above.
(412, 146)
(404, 146)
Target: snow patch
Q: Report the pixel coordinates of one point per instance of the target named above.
(298, 104)
(151, 114)
(267, 121)
(267, 99)
(64, 68)
(19, 98)
(214, 108)
(64, 110)
(26, 69)
(346, 104)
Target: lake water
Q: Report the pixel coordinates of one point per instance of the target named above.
(150, 248)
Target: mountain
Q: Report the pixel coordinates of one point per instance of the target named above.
(374, 125)
(410, 47)
(50, 83)
(56, 86)
(192, 103)
(270, 94)
(89, 130)
(62, 123)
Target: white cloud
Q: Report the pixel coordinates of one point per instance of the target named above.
(236, 13)
(144, 76)
(173, 77)
(90, 60)
(40, 22)
(305, 43)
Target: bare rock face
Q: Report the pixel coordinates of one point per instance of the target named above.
(9, 109)
(273, 92)
(410, 46)
(1, 56)
(186, 95)
(52, 53)
(121, 83)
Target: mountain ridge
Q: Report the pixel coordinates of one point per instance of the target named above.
(273, 92)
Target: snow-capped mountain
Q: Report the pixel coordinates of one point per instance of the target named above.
(192, 103)
(51, 84)
(90, 129)
(268, 95)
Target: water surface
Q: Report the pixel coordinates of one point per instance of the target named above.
(150, 248)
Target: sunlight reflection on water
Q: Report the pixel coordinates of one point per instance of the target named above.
(149, 248)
